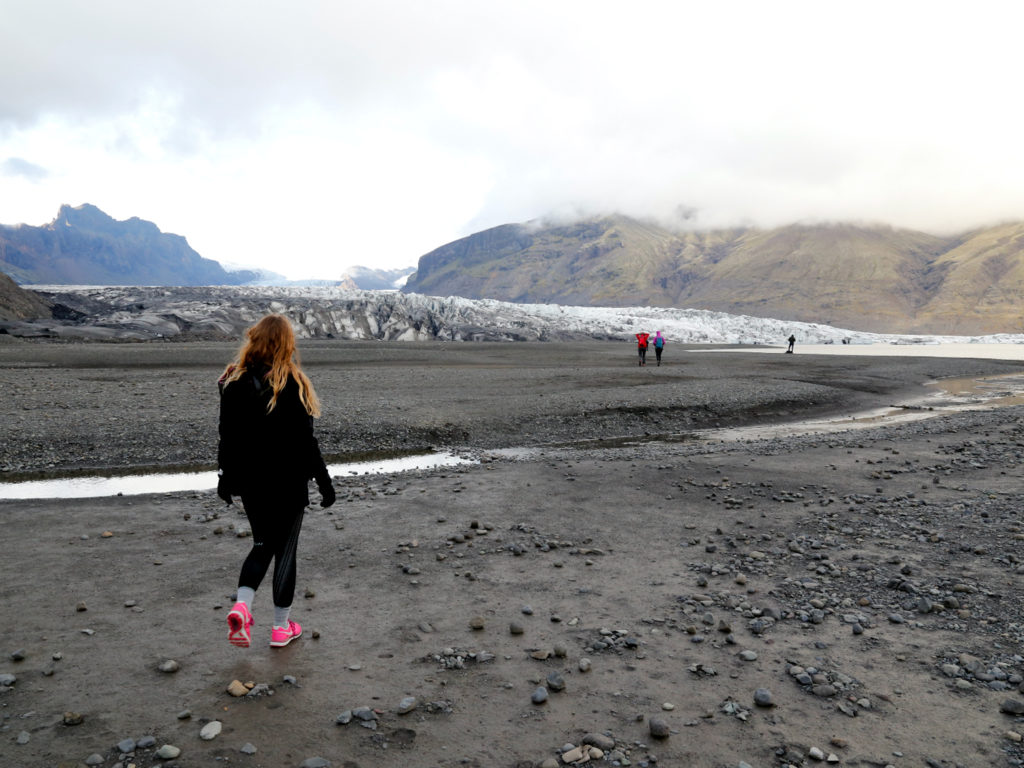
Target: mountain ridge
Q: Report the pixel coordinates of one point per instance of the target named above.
(869, 277)
(83, 245)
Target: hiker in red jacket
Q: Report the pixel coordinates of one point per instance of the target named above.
(641, 346)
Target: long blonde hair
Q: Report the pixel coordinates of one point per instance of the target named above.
(271, 342)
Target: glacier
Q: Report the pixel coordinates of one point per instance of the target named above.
(150, 312)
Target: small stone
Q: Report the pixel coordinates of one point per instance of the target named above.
(600, 740)
(18, 655)
(659, 728)
(1014, 736)
(169, 666)
(73, 718)
(344, 718)
(574, 754)
(407, 705)
(815, 754)
(476, 623)
(94, 759)
(555, 681)
(515, 628)
(7, 679)
(763, 698)
(24, 737)
(248, 749)
(146, 742)
(540, 695)
(1012, 707)
(185, 714)
(668, 706)
(584, 664)
(211, 730)
(315, 762)
(540, 655)
(81, 607)
(748, 655)
(236, 688)
(527, 610)
(365, 714)
(126, 745)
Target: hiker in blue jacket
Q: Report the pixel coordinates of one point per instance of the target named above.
(659, 345)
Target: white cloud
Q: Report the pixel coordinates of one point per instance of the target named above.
(310, 136)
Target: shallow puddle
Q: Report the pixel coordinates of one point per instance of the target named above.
(171, 482)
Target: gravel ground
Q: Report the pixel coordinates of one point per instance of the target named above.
(718, 601)
(96, 406)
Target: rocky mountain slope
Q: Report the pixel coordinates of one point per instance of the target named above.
(85, 246)
(867, 278)
(18, 304)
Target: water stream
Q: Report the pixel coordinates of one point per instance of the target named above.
(949, 395)
(132, 485)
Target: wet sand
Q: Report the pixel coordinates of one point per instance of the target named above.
(883, 563)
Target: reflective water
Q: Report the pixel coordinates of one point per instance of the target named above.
(132, 485)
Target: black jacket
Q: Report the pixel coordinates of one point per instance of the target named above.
(268, 454)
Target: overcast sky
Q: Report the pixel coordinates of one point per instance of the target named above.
(308, 136)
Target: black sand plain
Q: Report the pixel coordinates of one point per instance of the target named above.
(866, 581)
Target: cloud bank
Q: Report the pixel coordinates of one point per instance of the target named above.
(310, 137)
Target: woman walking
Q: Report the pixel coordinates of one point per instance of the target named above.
(267, 455)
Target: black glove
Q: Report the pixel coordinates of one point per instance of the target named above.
(326, 488)
(222, 489)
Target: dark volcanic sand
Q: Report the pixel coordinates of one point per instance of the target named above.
(693, 551)
(72, 406)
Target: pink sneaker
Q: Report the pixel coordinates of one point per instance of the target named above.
(281, 636)
(239, 621)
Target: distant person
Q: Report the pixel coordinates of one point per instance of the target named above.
(641, 346)
(659, 345)
(792, 341)
(267, 455)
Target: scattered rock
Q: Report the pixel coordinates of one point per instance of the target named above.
(659, 728)
(1012, 707)
(211, 730)
(407, 705)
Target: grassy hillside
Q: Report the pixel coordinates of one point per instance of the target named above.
(869, 278)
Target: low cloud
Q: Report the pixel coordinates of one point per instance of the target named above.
(18, 167)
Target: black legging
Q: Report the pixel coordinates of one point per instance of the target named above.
(275, 536)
